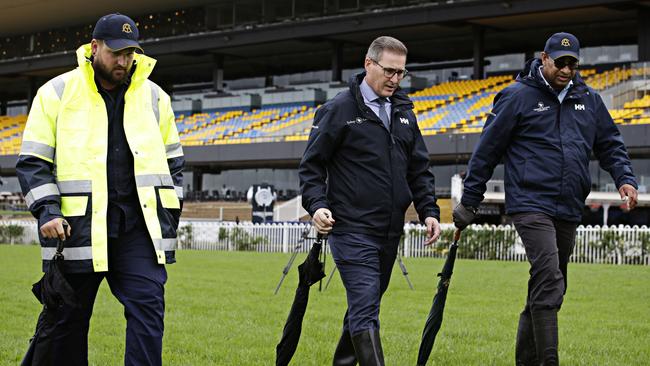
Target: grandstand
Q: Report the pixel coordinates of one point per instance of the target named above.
(449, 107)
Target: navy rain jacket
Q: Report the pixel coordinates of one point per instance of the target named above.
(372, 174)
(546, 147)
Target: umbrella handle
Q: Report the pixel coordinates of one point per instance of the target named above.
(60, 244)
(457, 235)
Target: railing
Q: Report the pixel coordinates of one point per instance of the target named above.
(611, 245)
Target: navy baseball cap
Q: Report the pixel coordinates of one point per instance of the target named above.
(118, 32)
(562, 44)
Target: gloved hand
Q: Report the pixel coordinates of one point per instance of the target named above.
(463, 216)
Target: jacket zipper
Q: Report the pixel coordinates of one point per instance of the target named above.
(559, 122)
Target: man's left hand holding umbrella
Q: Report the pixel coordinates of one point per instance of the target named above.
(54, 229)
(53, 291)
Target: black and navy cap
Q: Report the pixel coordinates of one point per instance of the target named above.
(562, 44)
(118, 32)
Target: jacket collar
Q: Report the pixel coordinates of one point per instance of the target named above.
(398, 99)
(532, 76)
(145, 65)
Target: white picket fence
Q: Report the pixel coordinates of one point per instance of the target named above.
(612, 245)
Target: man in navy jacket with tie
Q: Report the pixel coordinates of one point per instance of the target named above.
(364, 164)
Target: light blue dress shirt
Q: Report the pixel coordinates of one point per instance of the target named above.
(369, 98)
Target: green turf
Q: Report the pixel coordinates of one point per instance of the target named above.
(14, 213)
(221, 311)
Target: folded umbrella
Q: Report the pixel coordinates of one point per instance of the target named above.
(310, 272)
(53, 291)
(434, 320)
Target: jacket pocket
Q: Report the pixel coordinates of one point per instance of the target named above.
(74, 205)
(77, 211)
(541, 176)
(169, 211)
(168, 198)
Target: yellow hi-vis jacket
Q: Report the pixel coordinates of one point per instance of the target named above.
(62, 162)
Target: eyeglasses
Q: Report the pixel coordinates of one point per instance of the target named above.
(563, 62)
(389, 72)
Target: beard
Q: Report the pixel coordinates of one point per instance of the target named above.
(107, 74)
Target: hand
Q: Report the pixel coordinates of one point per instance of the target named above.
(54, 229)
(629, 194)
(463, 216)
(433, 230)
(323, 220)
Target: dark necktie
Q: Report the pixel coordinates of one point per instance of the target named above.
(383, 116)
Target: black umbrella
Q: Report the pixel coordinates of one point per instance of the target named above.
(310, 272)
(434, 320)
(53, 291)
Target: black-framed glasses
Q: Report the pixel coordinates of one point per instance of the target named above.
(563, 62)
(389, 72)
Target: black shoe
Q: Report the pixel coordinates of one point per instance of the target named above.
(367, 347)
(344, 354)
(546, 338)
(525, 352)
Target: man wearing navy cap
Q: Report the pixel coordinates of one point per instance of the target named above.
(117, 187)
(545, 127)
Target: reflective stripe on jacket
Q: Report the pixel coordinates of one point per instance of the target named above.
(62, 162)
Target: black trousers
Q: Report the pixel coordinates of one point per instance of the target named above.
(549, 244)
(137, 281)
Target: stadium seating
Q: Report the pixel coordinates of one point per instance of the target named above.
(451, 107)
(448, 106)
(610, 78)
(236, 127)
(11, 130)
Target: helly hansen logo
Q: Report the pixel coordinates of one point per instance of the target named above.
(404, 120)
(579, 107)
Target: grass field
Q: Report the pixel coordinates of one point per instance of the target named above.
(221, 311)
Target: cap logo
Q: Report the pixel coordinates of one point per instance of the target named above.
(126, 28)
(565, 42)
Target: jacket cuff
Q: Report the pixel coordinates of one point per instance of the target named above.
(432, 213)
(316, 206)
(469, 201)
(629, 181)
(48, 213)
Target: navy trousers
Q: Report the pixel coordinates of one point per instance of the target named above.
(365, 263)
(137, 281)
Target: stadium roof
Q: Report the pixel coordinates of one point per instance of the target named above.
(28, 16)
(435, 31)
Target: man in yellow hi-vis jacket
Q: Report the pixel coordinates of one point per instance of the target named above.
(101, 153)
